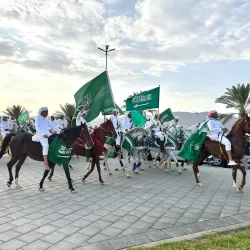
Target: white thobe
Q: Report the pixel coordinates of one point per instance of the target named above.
(4, 125)
(215, 133)
(116, 123)
(157, 128)
(43, 125)
(61, 123)
(54, 122)
(127, 123)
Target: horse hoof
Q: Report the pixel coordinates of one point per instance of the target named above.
(18, 187)
(136, 172)
(105, 168)
(101, 181)
(179, 172)
(128, 176)
(184, 168)
(116, 169)
(234, 186)
(8, 184)
(49, 178)
(141, 169)
(239, 189)
(110, 173)
(41, 189)
(200, 184)
(72, 190)
(83, 180)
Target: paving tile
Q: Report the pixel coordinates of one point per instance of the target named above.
(12, 245)
(158, 235)
(122, 224)
(8, 235)
(140, 239)
(63, 245)
(46, 229)
(77, 238)
(112, 231)
(99, 237)
(25, 228)
(81, 223)
(68, 229)
(101, 224)
(37, 245)
(40, 222)
(60, 222)
(54, 237)
(20, 221)
(112, 218)
(90, 230)
(30, 236)
(98, 246)
(121, 242)
(142, 225)
(6, 226)
(132, 231)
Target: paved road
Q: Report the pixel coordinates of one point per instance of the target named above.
(122, 213)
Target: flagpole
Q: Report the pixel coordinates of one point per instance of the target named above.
(106, 54)
(159, 101)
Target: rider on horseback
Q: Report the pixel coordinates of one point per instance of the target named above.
(216, 133)
(156, 130)
(4, 126)
(61, 122)
(117, 124)
(43, 126)
(127, 122)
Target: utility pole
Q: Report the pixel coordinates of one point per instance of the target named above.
(106, 51)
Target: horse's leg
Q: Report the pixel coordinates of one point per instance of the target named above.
(243, 182)
(70, 166)
(106, 153)
(203, 155)
(51, 173)
(18, 167)
(10, 165)
(171, 154)
(45, 174)
(97, 162)
(67, 173)
(89, 172)
(125, 158)
(234, 175)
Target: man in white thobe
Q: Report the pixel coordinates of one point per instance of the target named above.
(4, 126)
(53, 120)
(61, 122)
(127, 122)
(117, 124)
(43, 126)
(216, 133)
(156, 130)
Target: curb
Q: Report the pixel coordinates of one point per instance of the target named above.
(200, 235)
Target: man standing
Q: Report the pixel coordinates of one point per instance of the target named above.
(4, 126)
(61, 122)
(117, 126)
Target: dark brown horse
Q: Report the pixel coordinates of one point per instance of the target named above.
(21, 146)
(105, 129)
(238, 140)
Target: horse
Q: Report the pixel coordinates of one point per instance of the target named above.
(238, 140)
(21, 146)
(106, 129)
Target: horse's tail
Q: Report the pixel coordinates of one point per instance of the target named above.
(5, 143)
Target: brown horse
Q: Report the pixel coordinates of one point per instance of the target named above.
(238, 140)
(105, 129)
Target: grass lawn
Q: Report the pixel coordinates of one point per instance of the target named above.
(236, 241)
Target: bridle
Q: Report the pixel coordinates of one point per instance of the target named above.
(107, 131)
(82, 135)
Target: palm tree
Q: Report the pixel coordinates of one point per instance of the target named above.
(238, 98)
(68, 109)
(14, 111)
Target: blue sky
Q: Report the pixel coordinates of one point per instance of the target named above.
(193, 49)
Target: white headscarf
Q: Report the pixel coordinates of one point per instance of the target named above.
(42, 109)
(177, 118)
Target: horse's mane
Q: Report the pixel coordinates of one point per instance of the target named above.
(135, 130)
(237, 123)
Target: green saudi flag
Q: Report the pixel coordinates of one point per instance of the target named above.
(109, 109)
(97, 94)
(138, 119)
(145, 100)
(166, 116)
(24, 117)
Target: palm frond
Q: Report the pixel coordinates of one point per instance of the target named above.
(226, 117)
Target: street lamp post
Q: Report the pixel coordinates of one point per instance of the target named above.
(106, 51)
